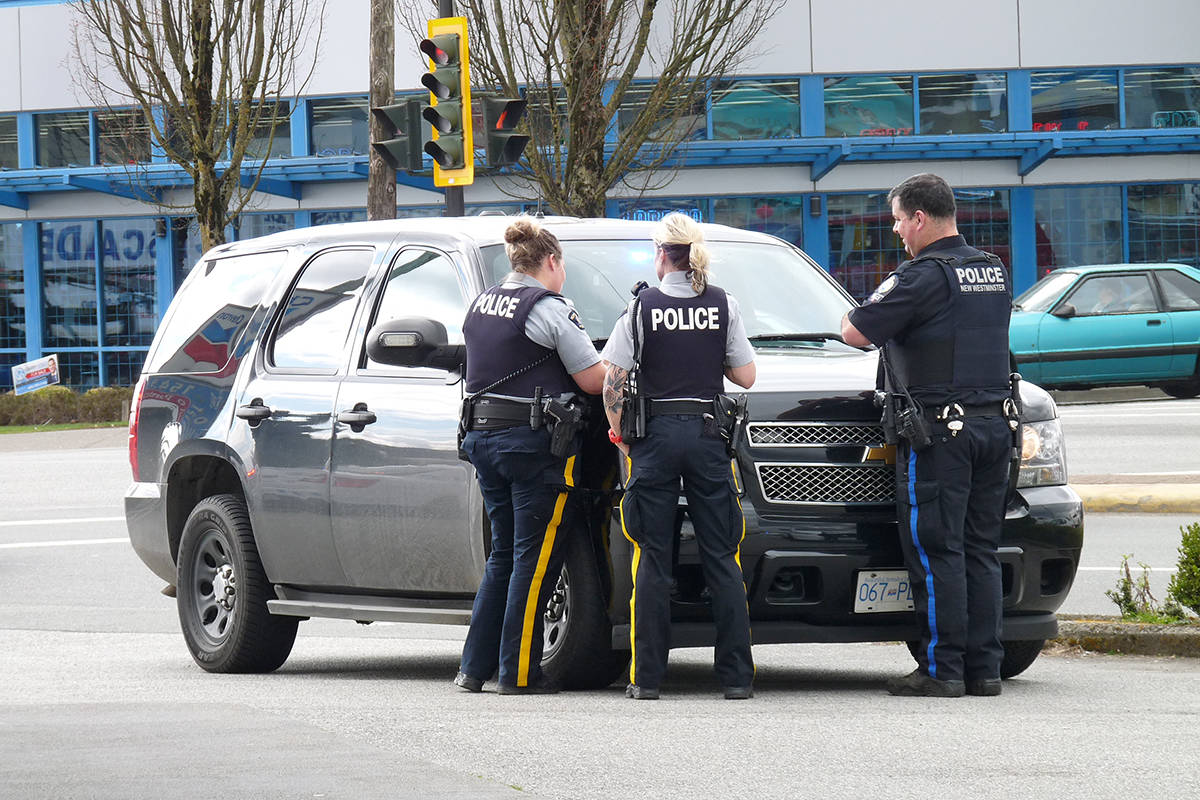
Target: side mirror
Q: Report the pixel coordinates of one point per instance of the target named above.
(414, 342)
(1065, 311)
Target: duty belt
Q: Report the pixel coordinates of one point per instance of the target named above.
(495, 413)
(962, 410)
(687, 407)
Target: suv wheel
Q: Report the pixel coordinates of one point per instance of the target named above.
(222, 592)
(1017, 655)
(577, 651)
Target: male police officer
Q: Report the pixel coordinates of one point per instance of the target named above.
(942, 321)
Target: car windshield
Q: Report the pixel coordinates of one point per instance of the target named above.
(785, 299)
(1042, 294)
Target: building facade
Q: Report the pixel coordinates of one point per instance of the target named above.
(1070, 137)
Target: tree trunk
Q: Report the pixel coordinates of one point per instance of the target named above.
(210, 206)
(381, 179)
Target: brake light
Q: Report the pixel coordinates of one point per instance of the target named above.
(134, 408)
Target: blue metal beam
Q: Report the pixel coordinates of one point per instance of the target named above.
(275, 186)
(1030, 161)
(109, 187)
(14, 200)
(825, 162)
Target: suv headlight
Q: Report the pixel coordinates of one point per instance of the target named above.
(1043, 454)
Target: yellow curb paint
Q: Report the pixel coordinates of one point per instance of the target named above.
(1144, 498)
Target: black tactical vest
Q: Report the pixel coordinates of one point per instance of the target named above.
(684, 350)
(961, 355)
(497, 346)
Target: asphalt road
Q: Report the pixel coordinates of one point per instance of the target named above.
(1135, 437)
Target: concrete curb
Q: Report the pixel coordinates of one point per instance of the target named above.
(1143, 498)
(1111, 635)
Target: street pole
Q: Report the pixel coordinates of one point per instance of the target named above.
(381, 178)
(455, 204)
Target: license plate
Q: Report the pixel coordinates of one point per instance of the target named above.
(882, 591)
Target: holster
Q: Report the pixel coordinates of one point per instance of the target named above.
(465, 413)
(566, 420)
(729, 416)
(633, 410)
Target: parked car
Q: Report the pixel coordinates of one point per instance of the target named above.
(292, 441)
(1080, 327)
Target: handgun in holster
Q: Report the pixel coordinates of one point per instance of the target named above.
(633, 409)
(566, 422)
(729, 419)
(1013, 409)
(465, 418)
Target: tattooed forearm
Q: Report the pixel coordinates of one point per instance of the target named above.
(614, 388)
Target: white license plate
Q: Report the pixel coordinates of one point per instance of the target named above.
(882, 591)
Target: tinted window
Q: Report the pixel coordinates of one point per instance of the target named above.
(339, 126)
(69, 315)
(1181, 292)
(8, 142)
(1162, 98)
(1113, 294)
(130, 296)
(970, 102)
(423, 283)
(1074, 101)
(211, 311)
(12, 288)
(64, 139)
(869, 105)
(1042, 294)
(317, 313)
(756, 109)
(122, 137)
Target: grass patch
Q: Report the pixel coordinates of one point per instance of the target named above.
(60, 426)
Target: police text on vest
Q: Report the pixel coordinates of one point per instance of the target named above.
(497, 305)
(686, 319)
(980, 279)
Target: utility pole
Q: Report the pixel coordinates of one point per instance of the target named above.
(381, 178)
(455, 204)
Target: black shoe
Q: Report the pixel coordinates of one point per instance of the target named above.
(918, 684)
(984, 687)
(464, 681)
(738, 692)
(640, 692)
(540, 686)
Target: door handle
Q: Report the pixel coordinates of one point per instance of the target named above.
(358, 417)
(1154, 322)
(254, 413)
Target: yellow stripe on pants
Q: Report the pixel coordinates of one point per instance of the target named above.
(535, 585)
(637, 557)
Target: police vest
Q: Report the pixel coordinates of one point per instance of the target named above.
(497, 346)
(964, 351)
(683, 354)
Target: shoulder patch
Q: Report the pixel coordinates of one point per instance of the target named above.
(881, 291)
(574, 317)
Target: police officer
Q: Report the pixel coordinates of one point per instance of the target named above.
(691, 335)
(521, 337)
(942, 321)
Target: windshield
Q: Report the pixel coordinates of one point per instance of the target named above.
(1042, 294)
(778, 290)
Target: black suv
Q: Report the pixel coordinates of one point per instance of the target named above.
(293, 448)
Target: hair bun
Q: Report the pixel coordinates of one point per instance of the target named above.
(521, 230)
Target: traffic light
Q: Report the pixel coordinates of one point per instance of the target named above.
(401, 125)
(500, 118)
(449, 112)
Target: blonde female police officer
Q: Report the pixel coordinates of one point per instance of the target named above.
(682, 365)
(520, 335)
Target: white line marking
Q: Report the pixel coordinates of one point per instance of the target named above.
(1131, 569)
(19, 523)
(62, 543)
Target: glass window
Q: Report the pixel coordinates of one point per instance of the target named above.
(984, 221)
(1113, 294)
(1077, 225)
(1075, 101)
(123, 137)
(221, 296)
(317, 314)
(130, 291)
(778, 216)
(862, 247)
(339, 126)
(69, 292)
(1045, 292)
(8, 143)
(545, 109)
(423, 283)
(1162, 97)
(123, 368)
(261, 144)
(251, 225)
(79, 371)
(1181, 292)
(12, 286)
(337, 217)
(679, 119)
(7, 362)
(969, 102)
(756, 109)
(654, 209)
(869, 105)
(64, 139)
(1164, 223)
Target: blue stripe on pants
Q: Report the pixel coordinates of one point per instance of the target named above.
(912, 526)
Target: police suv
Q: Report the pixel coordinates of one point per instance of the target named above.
(293, 446)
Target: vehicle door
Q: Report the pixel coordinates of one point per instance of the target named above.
(1116, 333)
(1181, 296)
(285, 417)
(405, 513)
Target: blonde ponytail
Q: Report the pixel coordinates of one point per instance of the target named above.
(681, 239)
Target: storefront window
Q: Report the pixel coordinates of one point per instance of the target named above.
(339, 126)
(69, 296)
(123, 137)
(756, 109)
(261, 144)
(1162, 98)
(778, 216)
(336, 217)
(79, 371)
(7, 362)
(1164, 223)
(654, 209)
(984, 221)
(1075, 101)
(862, 247)
(64, 139)
(679, 119)
(869, 105)
(8, 143)
(1079, 225)
(251, 225)
(12, 287)
(123, 368)
(127, 259)
(969, 102)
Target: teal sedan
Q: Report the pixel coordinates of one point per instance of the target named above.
(1080, 327)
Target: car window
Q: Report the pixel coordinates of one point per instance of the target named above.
(318, 310)
(1113, 294)
(1042, 294)
(422, 283)
(1181, 292)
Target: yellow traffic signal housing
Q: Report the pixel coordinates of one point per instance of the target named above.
(449, 111)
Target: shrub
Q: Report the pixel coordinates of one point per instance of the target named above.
(106, 404)
(1184, 587)
(58, 404)
(49, 405)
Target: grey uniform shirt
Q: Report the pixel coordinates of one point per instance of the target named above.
(555, 324)
(738, 351)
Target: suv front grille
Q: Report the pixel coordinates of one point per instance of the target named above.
(828, 484)
(813, 434)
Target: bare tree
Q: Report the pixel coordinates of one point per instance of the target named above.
(577, 61)
(206, 78)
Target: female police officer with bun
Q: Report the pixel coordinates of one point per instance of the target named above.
(691, 336)
(524, 342)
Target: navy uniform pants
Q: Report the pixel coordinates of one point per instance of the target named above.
(674, 448)
(525, 492)
(951, 499)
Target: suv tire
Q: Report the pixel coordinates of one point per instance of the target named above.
(578, 652)
(222, 592)
(1017, 655)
